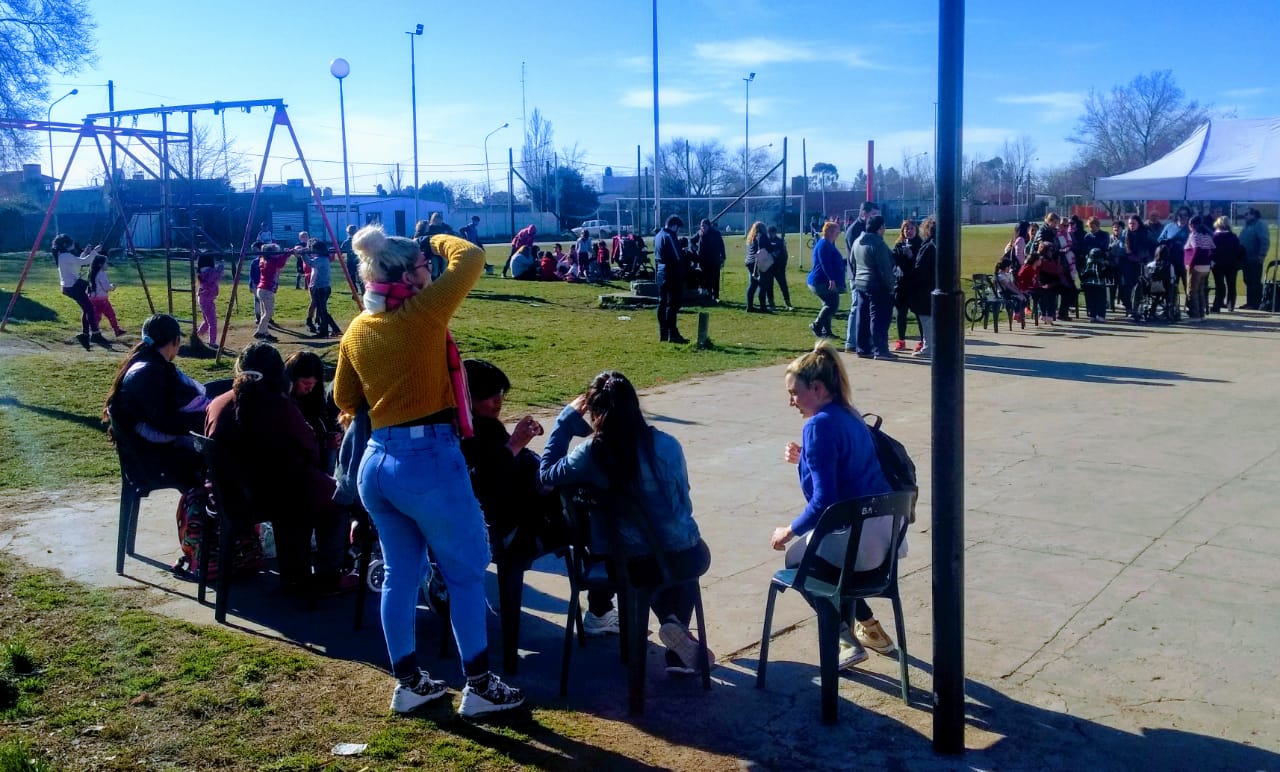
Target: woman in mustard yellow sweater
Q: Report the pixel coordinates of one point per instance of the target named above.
(398, 358)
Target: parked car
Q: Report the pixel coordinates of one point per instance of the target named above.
(596, 229)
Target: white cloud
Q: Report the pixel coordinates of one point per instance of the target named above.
(750, 52)
(667, 97)
(693, 131)
(1245, 93)
(1052, 105)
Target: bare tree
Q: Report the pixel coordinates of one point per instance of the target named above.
(1018, 157)
(536, 157)
(1135, 124)
(37, 39)
(214, 156)
(395, 180)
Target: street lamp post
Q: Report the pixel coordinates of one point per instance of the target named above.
(488, 181)
(339, 69)
(47, 117)
(413, 86)
(746, 152)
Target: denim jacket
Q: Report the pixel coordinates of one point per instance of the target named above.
(664, 486)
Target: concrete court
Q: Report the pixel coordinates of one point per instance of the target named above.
(1122, 594)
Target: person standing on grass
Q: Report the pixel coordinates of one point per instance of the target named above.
(471, 231)
(100, 288)
(868, 332)
(209, 274)
(670, 279)
(1256, 242)
(398, 359)
(270, 265)
(711, 256)
(353, 262)
(778, 246)
(859, 226)
(69, 263)
(826, 279)
(837, 461)
(318, 259)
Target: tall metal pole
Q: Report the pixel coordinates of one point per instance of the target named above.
(746, 152)
(948, 395)
(340, 70)
(413, 88)
(488, 181)
(111, 106)
(511, 188)
(657, 148)
(48, 116)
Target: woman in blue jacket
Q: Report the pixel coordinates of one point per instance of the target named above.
(837, 460)
(626, 460)
(826, 279)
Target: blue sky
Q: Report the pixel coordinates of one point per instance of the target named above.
(834, 78)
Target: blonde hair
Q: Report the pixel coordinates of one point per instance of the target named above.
(1222, 224)
(823, 365)
(383, 258)
(927, 227)
(757, 230)
(830, 229)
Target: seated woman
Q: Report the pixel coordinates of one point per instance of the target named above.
(523, 516)
(524, 266)
(262, 432)
(838, 461)
(153, 406)
(636, 471)
(305, 372)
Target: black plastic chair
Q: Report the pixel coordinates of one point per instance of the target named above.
(137, 481)
(1271, 288)
(880, 582)
(511, 570)
(635, 601)
(232, 504)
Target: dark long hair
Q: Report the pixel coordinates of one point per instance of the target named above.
(99, 263)
(305, 364)
(158, 330)
(622, 438)
(260, 381)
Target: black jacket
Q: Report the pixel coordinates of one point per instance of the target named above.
(921, 280)
(711, 252)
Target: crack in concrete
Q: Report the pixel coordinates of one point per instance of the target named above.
(1181, 516)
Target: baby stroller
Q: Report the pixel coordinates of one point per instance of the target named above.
(1155, 296)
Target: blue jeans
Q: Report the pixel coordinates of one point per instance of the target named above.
(414, 483)
(868, 331)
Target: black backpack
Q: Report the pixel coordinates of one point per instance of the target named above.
(896, 464)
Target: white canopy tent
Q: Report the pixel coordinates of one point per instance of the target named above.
(1224, 160)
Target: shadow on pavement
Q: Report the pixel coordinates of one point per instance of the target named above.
(1086, 372)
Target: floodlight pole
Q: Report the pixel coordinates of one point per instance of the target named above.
(746, 151)
(413, 87)
(488, 179)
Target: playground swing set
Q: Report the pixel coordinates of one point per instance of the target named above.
(182, 244)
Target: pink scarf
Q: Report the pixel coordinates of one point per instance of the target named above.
(388, 296)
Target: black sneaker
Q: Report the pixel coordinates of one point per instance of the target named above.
(495, 697)
(406, 699)
(98, 337)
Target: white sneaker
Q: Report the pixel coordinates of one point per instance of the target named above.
(605, 624)
(679, 641)
(851, 652)
(409, 698)
(874, 637)
(496, 697)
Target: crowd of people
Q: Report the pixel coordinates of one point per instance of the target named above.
(412, 434)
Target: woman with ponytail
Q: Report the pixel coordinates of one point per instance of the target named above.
(154, 406)
(837, 460)
(626, 460)
(260, 430)
(398, 358)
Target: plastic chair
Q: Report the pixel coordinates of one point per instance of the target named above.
(232, 504)
(848, 585)
(1271, 288)
(511, 570)
(137, 481)
(636, 599)
(585, 574)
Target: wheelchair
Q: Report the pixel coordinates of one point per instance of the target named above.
(1155, 296)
